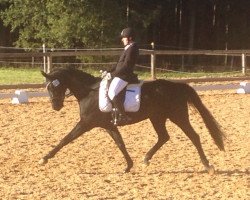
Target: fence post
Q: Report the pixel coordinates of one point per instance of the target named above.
(243, 63)
(153, 62)
(44, 59)
(49, 63)
(32, 61)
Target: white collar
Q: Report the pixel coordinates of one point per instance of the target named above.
(129, 45)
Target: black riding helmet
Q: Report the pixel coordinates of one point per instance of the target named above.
(127, 32)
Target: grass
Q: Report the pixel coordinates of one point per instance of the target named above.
(20, 76)
(23, 75)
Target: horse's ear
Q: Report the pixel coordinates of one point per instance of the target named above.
(45, 75)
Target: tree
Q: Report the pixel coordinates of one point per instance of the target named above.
(5, 36)
(62, 23)
(179, 24)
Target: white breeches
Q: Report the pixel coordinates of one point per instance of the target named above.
(116, 86)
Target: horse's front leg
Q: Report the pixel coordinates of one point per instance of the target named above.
(115, 134)
(77, 131)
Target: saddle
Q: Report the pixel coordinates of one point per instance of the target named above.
(132, 97)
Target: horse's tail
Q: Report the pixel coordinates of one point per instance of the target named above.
(210, 122)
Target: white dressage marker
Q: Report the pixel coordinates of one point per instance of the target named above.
(244, 88)
(19, 97)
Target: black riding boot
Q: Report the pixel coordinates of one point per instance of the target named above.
(119, 115)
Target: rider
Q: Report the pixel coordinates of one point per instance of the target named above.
(123, 73)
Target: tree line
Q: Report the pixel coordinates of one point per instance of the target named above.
(170, 24)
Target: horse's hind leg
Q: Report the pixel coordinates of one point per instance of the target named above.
(183, 122)
(163, 137)
(115, 134)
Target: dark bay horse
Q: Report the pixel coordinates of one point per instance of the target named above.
(160, 100)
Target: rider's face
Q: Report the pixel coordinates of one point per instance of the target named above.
(125, 41)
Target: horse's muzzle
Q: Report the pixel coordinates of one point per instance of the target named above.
(57, 105)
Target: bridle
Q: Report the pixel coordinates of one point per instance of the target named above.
(68, 93)
(58, 96)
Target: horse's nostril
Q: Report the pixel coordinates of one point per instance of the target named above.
(57, 106)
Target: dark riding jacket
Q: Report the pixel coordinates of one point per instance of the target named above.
(124, 69)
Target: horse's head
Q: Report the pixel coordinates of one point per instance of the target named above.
(56, 89)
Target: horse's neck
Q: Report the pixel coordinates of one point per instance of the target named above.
(81, 89)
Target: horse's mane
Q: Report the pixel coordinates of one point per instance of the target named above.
(76, 74)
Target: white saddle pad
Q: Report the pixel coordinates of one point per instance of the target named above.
(132, 99)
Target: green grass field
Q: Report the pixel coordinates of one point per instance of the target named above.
(33, 75)
(20, 75)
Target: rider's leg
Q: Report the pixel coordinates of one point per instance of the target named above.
(117, 97)
(119, 100)
(119, 115)
(116, 86)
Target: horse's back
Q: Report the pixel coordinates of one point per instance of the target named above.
(166, 87)
(164, 96)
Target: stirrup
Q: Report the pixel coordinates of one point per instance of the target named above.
(118, 118)
(114, 115)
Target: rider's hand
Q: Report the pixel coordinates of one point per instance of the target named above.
(108, 76)
(105, 75)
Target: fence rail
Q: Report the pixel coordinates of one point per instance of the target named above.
(48, 56)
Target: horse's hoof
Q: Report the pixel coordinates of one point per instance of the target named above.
(42, 161)
(146, 162)
(126, 171)
(210, 170)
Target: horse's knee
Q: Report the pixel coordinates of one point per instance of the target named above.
(162, 139)
(165, 138)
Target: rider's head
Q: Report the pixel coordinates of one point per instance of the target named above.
(127, 36)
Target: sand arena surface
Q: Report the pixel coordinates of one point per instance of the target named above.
(91, 167)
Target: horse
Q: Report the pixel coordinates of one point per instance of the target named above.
(160, 100)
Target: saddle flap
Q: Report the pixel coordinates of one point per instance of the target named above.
(132, 98)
